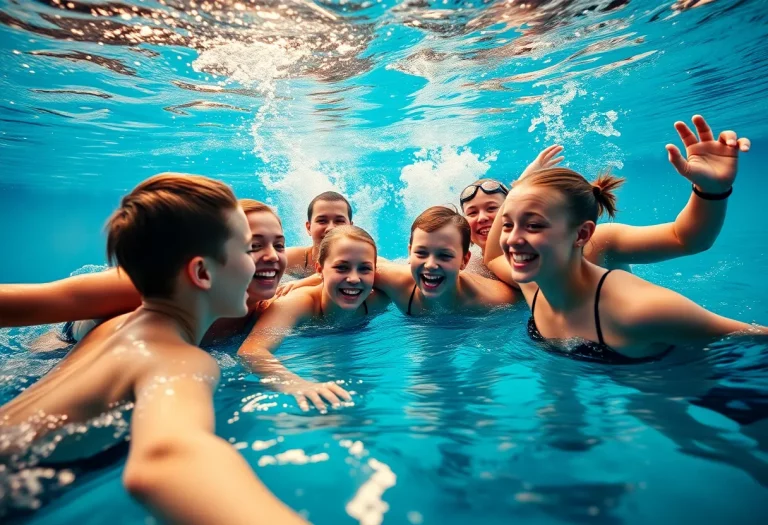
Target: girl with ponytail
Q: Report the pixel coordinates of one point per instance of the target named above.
(548, 219)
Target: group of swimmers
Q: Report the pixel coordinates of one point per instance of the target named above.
(194, 265)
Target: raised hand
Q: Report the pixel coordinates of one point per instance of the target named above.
(545, 159)
(710, 164)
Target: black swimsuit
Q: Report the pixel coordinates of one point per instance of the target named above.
(410, 301)
(590, 350)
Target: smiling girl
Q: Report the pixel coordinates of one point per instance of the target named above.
(347, 264)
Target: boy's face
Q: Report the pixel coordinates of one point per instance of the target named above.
(326, 215)
(230, 280)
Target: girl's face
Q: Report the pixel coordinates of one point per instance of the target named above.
(436, 258)
(326, 215)
(538, 238)
(348, 272)
(268, 252)
(480, 212)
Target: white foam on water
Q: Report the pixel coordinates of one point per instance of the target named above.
(292, 457)
(436, 177)
(367, 506)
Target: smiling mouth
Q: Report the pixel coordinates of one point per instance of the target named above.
(350, 292)
(521, 260)
(484, 231)
(265, 275)
(432, 281)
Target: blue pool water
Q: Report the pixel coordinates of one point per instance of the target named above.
(399, 105)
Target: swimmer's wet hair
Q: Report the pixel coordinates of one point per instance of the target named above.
(586, 201)
(163, 223)
(344, 232)
(254, 206)
(329, 196)
(434, 218)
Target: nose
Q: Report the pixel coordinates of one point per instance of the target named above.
(353, 277)
(514, 238)
(270, 254)
(330, 227)
(431, 263)
(483, 218)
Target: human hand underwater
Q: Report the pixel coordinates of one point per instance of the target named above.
(545, 159)
(711, 164)
(317, 393)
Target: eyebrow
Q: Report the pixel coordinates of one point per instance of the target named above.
(260, 236)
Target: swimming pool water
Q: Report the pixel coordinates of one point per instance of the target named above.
(399, 105)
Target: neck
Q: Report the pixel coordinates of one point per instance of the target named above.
(569, 289)
(448, 300)
(190, 327)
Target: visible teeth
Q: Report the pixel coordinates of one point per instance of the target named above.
(267, 274)
(351, 291)
(431, 278)
(523, 257)
(483, 231)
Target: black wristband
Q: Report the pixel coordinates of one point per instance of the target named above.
(712, 196)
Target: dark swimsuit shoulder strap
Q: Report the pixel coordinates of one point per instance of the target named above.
(306, 257)
(597, 311)
(365, 305)
(533, 303)
(410, 301)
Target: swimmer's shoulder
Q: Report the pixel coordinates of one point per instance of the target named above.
(377, 302)
(302, 302)
(483, 292)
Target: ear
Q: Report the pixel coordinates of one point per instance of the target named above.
(466, 258)
(584, 233)
(319, 269)
(199, 273)
(306, 225)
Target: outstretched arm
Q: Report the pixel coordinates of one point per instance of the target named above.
(90, 296)
(269, 331)
(179, 469)
(711, 166)
(653, 314)
(285, 289)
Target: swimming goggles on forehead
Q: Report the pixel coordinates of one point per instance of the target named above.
(489, 187)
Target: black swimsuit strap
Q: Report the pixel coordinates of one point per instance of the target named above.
(306, 258)
(410, 301)
(597, 311)
(365, 305)
(533, 304)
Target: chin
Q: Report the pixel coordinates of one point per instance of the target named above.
(261, 295)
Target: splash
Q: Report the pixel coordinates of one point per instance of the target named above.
(367, 506)
(438, 176)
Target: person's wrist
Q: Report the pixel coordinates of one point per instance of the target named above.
(712, 193)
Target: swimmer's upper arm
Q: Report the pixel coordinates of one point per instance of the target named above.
(393, 279)
(500, 268)
(89, 296)
(618, 244)
(177, 467)
(652, 314)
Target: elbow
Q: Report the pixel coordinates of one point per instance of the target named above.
(147, 470)
(699, 246)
